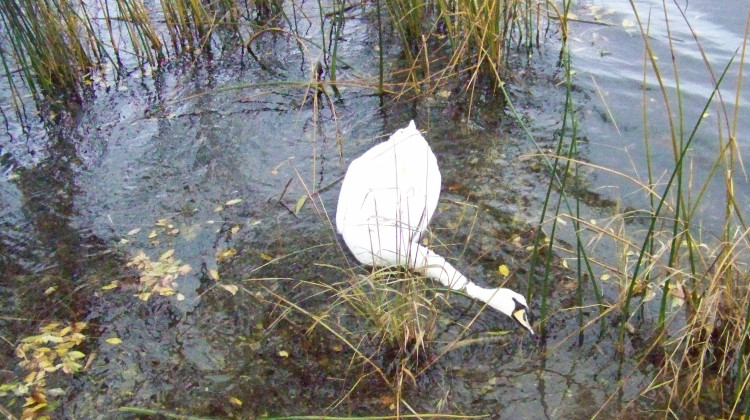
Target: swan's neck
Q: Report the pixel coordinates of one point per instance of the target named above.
(436, 267)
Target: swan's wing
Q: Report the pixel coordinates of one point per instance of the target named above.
(393, 190)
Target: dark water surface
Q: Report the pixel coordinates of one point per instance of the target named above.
(161, 164)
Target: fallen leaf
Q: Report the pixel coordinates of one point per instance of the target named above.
(266, 256)
(235, 401)
(300, 203)
(113, 340)
(184, 269)
(233, 202)
(214, 273)
(152, 234)
(227, 254)
(134, 231)
(235, 229)
(76, 355)
(50, 290)
(605, 277)
(283, 353)
(231, 288)
(218, 208)
(111, 285)
(166, 255)
(503, 270)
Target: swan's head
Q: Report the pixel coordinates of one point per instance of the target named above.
(520, 312)
(504, 300)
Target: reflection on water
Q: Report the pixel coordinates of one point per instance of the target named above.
(178, 151)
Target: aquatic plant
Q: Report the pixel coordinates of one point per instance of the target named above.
(699, 342)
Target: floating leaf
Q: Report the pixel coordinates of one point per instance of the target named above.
(152, 234)
(605, 277)
(184, 269)
(503, 270)
(113, 340)
(50, 290)
(266, 256)
(111, 285)
(218, 208)
(166, 255)
(235, 229)
(300, 203)
(227, 254)
(75, 355)
(235, 401)
(283, 353)
(233, 202)
(214, 273)
(231, 288)
(565, 263)
(180, 297)
(134, 231)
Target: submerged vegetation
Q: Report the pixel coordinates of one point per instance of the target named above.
(681, 305)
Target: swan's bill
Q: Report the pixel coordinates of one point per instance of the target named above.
(520, 316)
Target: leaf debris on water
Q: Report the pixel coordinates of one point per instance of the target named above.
(231, 288)
(503, 270)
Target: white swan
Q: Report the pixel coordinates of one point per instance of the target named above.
(387, 199)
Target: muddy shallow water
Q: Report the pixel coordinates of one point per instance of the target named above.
(213, 160)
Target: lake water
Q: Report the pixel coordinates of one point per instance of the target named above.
(212, 161)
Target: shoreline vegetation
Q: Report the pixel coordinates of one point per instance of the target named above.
(697, 351)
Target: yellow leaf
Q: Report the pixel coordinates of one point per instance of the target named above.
(233, 202)
(300, 203)
(227, 254)
(50, 290)
(184, 269)
(503, 270)
(283, 353)
(114, 341)
(144, 296)
(166, 255)
(235, 401)
(214, 273)
(231, 288)
(111, 285)
(75, 354)
(65, 331)
(266, 256)
(134, 231)
(152, 234)
(235, 229)
(218, 208)
(180, 297)
(565, 263)
(605, 277)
